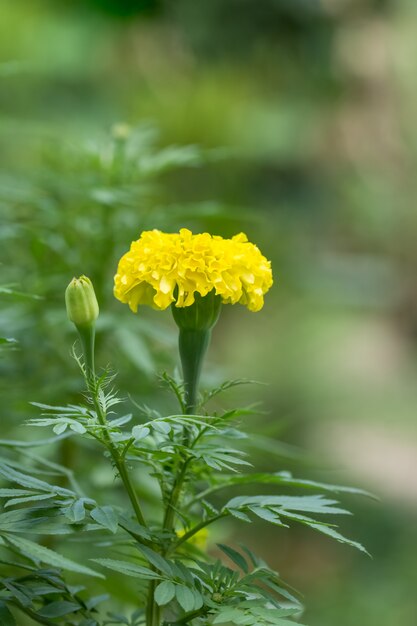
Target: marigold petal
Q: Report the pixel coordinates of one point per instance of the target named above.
(161, 268)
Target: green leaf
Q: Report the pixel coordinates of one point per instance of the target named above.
(326, 530)
(33, 498)
(140, 432)
(227, 615)
(130, 569)
(6, 618)
(267, 515)
(156, 560)
(58, 609)
(29, 481)
(235, 556)
(311, 504)
(164, 592)
(75, 512)
(32, 520)
(198, 599)
(161, 427)
(185, 597)
(286, 479)
(45, 555)
(240, 515)
(10, 493)
(105, 516)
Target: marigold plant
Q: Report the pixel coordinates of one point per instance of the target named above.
(194, 457)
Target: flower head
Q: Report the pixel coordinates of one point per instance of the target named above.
(164, 268)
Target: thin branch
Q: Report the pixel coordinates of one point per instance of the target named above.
(195, 530)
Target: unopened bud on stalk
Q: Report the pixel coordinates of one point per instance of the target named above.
(82, 310)
(81, 302)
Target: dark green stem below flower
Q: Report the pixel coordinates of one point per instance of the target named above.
(193, 346)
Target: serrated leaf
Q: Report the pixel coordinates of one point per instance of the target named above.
(156, 560)
(234, 556)
(10, 493)
(331, 532)
(164, 592)
(46, 555)
(310, 504)
(105, 516)
(29, 481)
(240, 515)
(286, 479)
(130, 569)
(33, 498)
(267, 515)
(32, 520)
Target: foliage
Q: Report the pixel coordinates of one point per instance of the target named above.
(192, 457)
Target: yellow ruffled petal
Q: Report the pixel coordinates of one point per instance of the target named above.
(161, 268)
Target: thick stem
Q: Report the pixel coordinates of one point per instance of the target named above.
(195, 323)
(193, 346)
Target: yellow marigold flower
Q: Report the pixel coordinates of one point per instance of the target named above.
(162, 268)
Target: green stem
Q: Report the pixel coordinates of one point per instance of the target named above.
(175, 494)
(124, 475)
(193, 346)
(153, 611)
(195, 530)
(120, 466)
(195, 323)
(87, 336)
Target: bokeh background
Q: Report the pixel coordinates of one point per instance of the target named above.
(293, 120)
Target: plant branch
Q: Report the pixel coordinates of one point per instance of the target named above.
(119, 463)
(195, 530)
(87, 338)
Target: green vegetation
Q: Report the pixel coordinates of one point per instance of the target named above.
(292, 121)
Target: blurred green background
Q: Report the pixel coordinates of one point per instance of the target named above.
(293, 120)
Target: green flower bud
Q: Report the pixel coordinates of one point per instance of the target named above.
(81, 302)
(217, 597)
